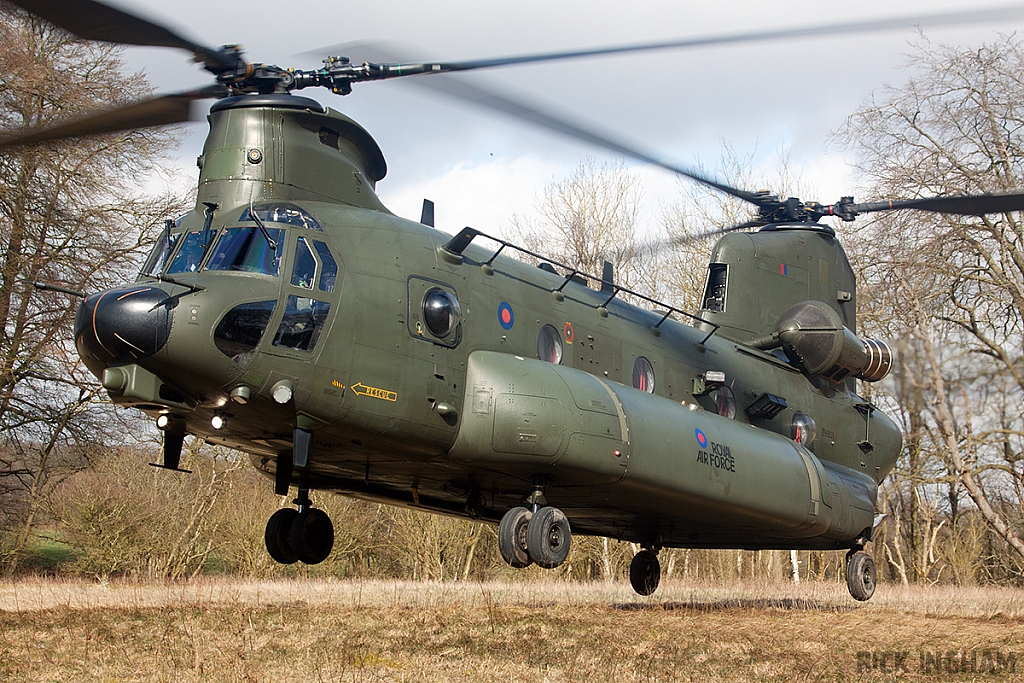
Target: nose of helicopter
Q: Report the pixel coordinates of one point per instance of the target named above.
(122, 324)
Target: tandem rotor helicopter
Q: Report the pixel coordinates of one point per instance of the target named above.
(291, 316)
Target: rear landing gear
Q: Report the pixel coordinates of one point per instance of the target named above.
(305, 535)
(542, 537)
(860, 574)
(278, 534)
(645, 572)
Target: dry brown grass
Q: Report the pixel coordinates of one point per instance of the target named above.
(229, 630)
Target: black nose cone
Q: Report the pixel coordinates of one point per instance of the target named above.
(123, 324)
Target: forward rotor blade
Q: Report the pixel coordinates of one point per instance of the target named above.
(972, 205)
(519, 109)
(94, 20)
(156, 111)
(997, 14)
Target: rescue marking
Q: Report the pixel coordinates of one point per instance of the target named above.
(360, 389)
(568, 333)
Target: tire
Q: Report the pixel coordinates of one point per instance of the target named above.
(312, 536)
(548, 537)
(860, 576)
(277, 536)
(645, 572)
(512, 537)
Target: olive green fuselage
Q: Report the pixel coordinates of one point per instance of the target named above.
(473, 422)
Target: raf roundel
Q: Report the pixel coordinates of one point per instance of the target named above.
(701, 439)
(505, 316)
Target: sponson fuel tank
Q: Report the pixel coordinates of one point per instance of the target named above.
(529, 419)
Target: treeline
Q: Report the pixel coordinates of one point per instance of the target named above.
(120, 517)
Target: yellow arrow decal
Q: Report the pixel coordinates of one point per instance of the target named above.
(360, 389)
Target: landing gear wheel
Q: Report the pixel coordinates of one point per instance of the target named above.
(312, 535)
(645, 572)
(860, 575)
(548, 537)
(512, 537)
(279, 528)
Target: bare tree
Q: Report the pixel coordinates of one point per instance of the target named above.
(66, 219)
(952, 288)
(590, 217)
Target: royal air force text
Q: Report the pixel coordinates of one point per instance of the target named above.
(717, 455)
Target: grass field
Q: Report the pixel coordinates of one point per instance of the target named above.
(225, 630)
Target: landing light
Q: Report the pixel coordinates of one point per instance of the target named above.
(163, 421)
(217, 422)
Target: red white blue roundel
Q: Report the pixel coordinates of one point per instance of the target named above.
(506, 318)
(701, 439)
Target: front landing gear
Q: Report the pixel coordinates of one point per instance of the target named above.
(543, 537)
(305, 534)
(860, 574)
(512, 537)
(645, 572)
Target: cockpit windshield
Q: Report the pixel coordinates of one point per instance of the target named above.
(192, 251)
(247, 250)
(282, 212)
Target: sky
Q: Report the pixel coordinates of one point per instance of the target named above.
(768, 100)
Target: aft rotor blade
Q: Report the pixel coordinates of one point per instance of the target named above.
(992, 15)
(700, 236)
(971, 205)
(94, 20)
(157, 111)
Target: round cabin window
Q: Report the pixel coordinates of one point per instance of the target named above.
(549, 345)
(725, 402)
(803, 429)
(440, 312)
(643, 375)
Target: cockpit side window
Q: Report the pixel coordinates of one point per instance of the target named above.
(304, 271)
(329, 268)
(161, 252)
(247, 250)
(303, 321)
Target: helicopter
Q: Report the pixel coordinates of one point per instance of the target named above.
(292, 317)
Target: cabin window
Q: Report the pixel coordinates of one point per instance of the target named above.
(304, 271)
(282, 212)
(247, 250)
(239, 332)
(643, 375)
(714, 293)
(303, 321)
(802, 429)
(725, 402)
(441, 312)
(549, 345)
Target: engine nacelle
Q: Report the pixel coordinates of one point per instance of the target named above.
(812, 335)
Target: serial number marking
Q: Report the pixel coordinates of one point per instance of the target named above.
(360, 389)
